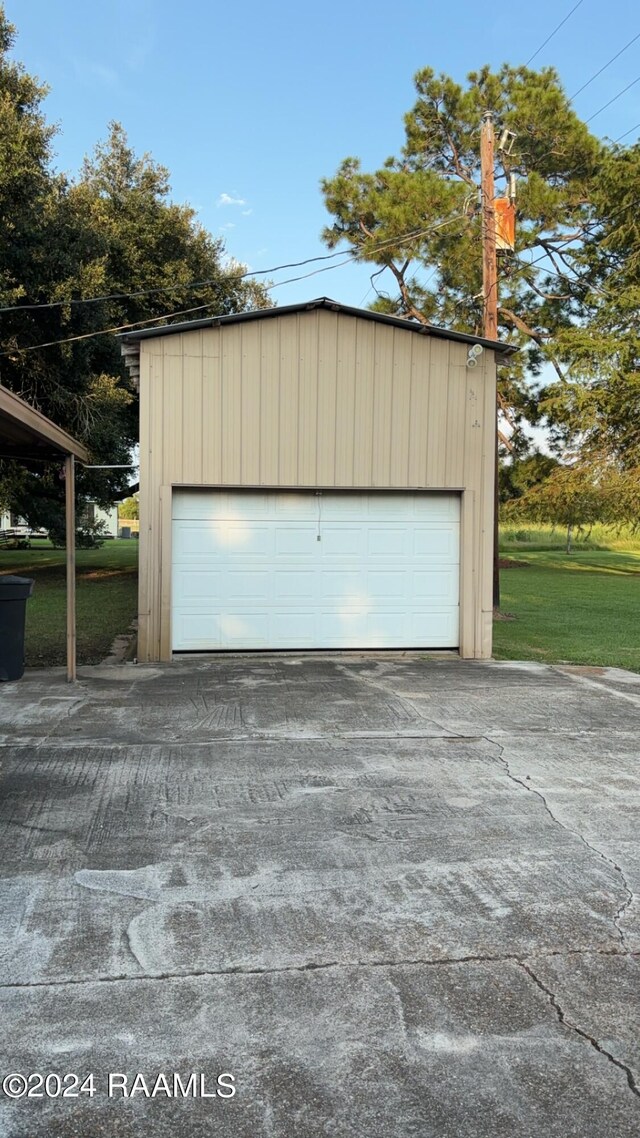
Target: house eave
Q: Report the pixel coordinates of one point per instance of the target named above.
(130, 341)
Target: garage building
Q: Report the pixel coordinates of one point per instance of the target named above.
(314, 477)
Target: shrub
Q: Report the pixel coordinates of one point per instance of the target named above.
(89, 535)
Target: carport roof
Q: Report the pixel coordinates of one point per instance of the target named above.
(26, 434)
(307, 306)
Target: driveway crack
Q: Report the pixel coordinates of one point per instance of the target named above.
(622, 909)
(590, 1039)
(309, 966)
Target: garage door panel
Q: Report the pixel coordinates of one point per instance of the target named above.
(249, 571)
(293, 584)
(436, 508)
(197, 629)
(295, 541)
(202, 506)
(247, 586)
(388, 584)
(388, 541)
(200, 585)
(297, 625)
(338, 584)
(196, 540)
(243, 538)
(435, 543)
(434, 624)
(297, 507)
(239, 628)
(434, 587)
(338, 540)
(200, 540)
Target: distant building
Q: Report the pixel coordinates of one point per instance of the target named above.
(109, 516)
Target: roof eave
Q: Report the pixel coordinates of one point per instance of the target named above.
(47, 439)
(130, 340)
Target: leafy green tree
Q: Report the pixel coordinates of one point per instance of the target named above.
(568, 498)
(111, 232)
(577, 496)
(595, 408)
(569, 294)
(432, 191)
(521, 474)
(25, 178)
(130, 508)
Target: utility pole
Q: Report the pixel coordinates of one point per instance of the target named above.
(489, 255)
(490, 298)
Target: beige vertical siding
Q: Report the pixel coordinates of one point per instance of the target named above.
(301, 335)
(311, 399)
(364, 334)
(399, 425)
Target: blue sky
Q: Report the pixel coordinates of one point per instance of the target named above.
(250, 104)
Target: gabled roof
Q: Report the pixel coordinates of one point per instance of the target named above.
(322, 302)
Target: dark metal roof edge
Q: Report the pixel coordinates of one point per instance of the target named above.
(320, 302)
(50, 437)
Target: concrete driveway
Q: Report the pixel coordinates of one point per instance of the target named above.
(391, 897)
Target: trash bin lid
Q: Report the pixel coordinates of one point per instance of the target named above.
(15, 588)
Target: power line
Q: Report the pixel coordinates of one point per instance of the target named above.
(614, 99)
(552, 34)
(630, 131)
(349, 258)
(152, 319)
(604, 67)
(607, 293)
(167, 288)
(413, 234)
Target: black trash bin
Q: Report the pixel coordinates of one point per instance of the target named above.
(13, 602)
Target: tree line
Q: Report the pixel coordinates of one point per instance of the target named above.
(110, 231)
(569, 293)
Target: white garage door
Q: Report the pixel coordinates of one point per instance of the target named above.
(307, 570)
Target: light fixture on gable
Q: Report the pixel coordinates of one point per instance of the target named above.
(474, 352)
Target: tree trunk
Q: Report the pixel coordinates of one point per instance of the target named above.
(569, 533)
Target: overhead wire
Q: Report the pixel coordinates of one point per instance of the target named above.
(597, 73)
(349, 256)
(151, 319)
(614, 99)
(411, 235)
(604, 67)
(348, 259)
(629, 131)
(607, 293)
(552, 34)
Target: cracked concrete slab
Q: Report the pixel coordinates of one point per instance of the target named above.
(393, 896)
(448, 1050)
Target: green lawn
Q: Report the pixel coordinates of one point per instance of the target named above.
(536, 538)
(107, 601)
(578, 609)
(581, 609)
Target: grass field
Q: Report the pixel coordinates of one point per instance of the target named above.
(579, 609)
(541, 538)
(582, 608)
(107, 599)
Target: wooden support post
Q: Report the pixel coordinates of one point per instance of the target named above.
(490, 298)
(70, 517)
